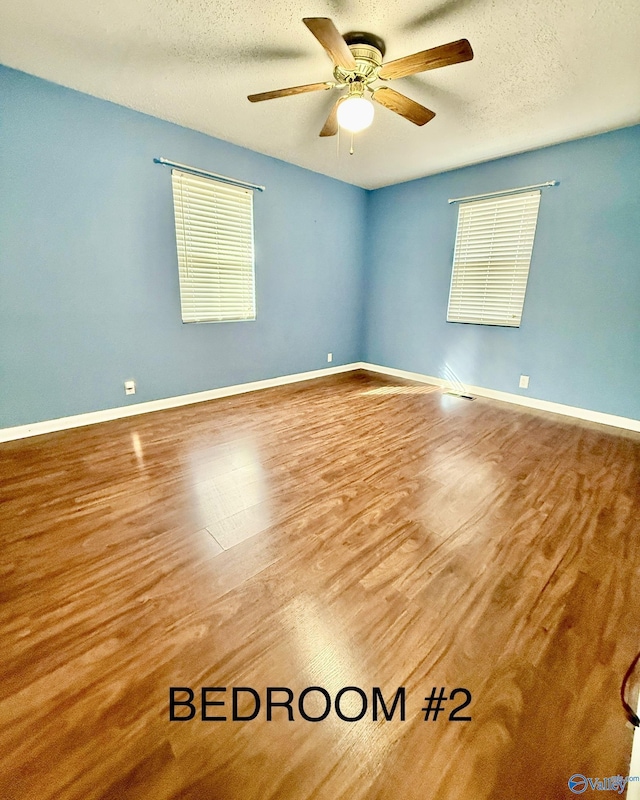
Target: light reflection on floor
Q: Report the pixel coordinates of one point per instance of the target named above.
(381, 390)
(331, 661)
(231, 490)
(137, 449)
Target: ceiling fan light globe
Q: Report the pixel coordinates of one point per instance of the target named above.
(355, 114)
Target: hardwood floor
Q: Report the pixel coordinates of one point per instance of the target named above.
(351, 531)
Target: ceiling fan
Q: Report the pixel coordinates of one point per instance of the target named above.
(357, 61)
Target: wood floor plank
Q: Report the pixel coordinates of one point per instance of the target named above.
(350, 531)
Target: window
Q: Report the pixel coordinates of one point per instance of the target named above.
(491, 260)
(214, 237)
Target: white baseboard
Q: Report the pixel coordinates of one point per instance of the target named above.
(529, 402)
(404, 374)
(93, 417)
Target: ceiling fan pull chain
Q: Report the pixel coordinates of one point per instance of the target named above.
(351, 150)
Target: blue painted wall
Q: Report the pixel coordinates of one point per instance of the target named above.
(88, 274)
(580, 334)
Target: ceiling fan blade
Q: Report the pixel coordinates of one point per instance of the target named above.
(443, 56)
(403, 105)
(331, 125)
(308, 87)
(330, 38)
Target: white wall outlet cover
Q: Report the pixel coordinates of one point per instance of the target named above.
(524, 382)
(329, 357)
(129, 387)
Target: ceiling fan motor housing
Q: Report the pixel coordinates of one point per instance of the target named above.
(368, 51)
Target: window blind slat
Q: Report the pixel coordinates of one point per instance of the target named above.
(214, 243)
(492, 255)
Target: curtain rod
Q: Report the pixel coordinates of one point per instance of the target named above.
(195, 171)
(504, 191)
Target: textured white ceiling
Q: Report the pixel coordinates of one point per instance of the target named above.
(544, 71)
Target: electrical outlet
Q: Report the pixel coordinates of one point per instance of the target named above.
(129, 387)
(329, 357)
(524, 382)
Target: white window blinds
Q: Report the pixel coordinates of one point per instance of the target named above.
(491, 260)
(214, 237)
